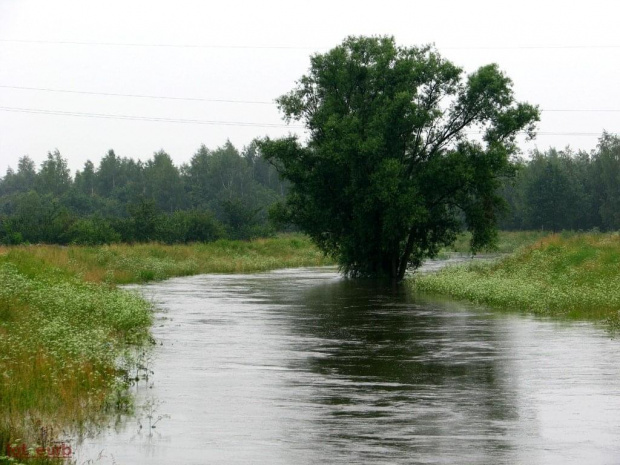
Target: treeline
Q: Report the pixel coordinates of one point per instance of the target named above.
(219, 193)
(565, 190)
(227, 193)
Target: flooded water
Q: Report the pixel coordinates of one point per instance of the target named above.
(304, 367)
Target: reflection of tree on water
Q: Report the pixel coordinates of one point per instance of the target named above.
(396, 372)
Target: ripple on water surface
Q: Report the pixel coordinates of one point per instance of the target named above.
(302, 366)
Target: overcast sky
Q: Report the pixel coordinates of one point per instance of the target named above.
(560, 55)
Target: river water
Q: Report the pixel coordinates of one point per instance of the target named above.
(303, 367)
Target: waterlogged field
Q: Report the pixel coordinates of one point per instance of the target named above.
(61, 340)
(68, 335)
(124, 263)
(573, 275)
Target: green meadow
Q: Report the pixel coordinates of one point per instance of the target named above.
(563, 275)
(507, 242)
(70, 338)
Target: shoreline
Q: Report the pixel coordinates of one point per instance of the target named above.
(65, 323)
(576, 276)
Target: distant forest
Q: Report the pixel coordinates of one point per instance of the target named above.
(566, 190)
(227, 193)
(221, 193)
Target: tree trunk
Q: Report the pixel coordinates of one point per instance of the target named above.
(404, 259)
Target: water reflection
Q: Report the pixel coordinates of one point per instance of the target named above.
(401, 377)
(301, 366)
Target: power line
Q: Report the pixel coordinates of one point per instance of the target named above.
(531, 47)
(221, 123)
(110, 94)
(292, 47)
(589, 134)
(131, 44)
(582, 110)
(551, 133)
(200, 99)
(146, 118)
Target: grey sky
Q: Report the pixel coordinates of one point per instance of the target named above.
(574, 65)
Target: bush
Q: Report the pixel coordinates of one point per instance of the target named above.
(93, 231)
(188, 226)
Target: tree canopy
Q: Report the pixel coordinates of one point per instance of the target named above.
(219, 193)
(404, 150)
(565, 190)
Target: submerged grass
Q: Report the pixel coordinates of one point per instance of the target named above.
(124, 263)
(571, 275)
(60, 340)
(64, 325)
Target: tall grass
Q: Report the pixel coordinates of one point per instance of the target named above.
(507, 241)
(124, 263)
(64, 325)
(60, 340)
(573, 275)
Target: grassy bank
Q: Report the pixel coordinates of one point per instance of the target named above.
(576, 276)
(60, 342)
(507, 241)
(64, 325)
(123, 263)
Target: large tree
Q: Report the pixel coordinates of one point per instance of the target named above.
(390, 171)
(552, 197)
(607, 164)
(54, 176)
(163, 182)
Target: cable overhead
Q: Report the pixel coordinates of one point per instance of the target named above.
(146, 118)
(223, 123)
(582, 110)
(132, 44)
(530, 47)
(252, 102)
(293, 47)
(110, 94)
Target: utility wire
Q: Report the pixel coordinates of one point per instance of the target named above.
(130, 44)
(530, 47)
(583, 110)
(290, 47)
(109, 94)
(220, 123)
(199, 99)
(146, 118)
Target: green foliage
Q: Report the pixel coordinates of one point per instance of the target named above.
(142, 221)
(188, 226)
(66, 331)
(242, 221)
(93, 231)
(607, 166)
(54, 177)
(575, 275)
(552, 198)
(163, 182)
(507, 242)
(243, 192)
(22, 181)
(561, 190)
(221, 193)
(61, 341)
(35, 218)
(388, 173)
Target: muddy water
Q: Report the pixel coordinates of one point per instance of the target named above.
(304, 367)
